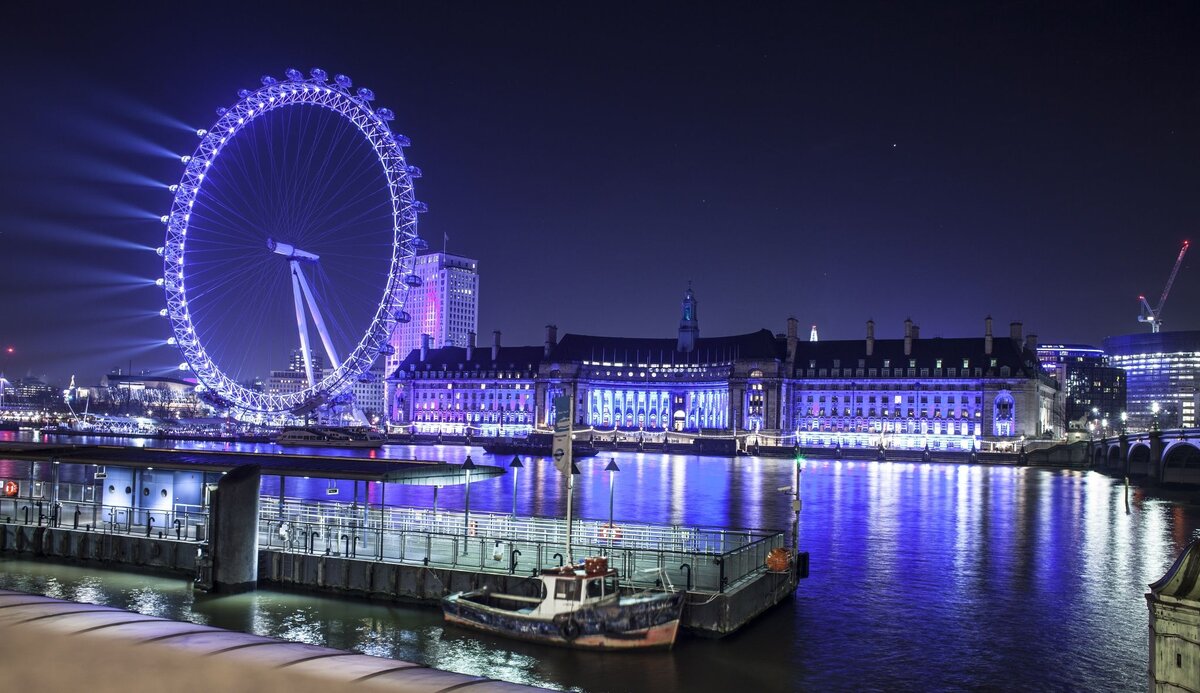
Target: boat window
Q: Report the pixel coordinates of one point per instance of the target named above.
(566, 589)
(593, 589)
(610, 585)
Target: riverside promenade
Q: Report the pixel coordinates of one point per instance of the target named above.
(113, 650)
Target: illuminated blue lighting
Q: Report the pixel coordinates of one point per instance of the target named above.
(343, 81)
(171, 341)
(293, 75)
(414, 172)
(268, 80)
(162, 313)
(243, 93)
(164, 218)
(159, 250)
(201, 132)
(173, 187)
(385, 113)
(158, 282)
(318, 74)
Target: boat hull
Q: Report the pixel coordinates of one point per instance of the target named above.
(631, 624)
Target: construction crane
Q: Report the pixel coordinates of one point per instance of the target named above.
(1154, 315)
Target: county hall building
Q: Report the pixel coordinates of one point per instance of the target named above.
(773, 389)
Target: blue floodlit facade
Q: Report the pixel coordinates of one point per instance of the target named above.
(953, 394)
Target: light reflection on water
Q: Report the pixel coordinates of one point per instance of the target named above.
(925, 576)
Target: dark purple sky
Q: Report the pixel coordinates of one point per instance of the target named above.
(1035, 161)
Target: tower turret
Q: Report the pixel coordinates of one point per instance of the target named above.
(689, 326)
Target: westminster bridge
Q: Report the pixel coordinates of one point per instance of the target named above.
(1164, 456)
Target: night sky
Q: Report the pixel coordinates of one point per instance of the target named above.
(1033, 161)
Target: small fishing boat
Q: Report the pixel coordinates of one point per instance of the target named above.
(581, 606)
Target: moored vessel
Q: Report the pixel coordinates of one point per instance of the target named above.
(580, 606)
(331, 437)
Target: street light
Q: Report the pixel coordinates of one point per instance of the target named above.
(1154, 410)
(514, 466)
(468, 466)
(1124, 418)
(611, 467)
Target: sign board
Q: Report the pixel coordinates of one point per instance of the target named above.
(561, 448)
(11, 489)
(100, 475)
(331, 491)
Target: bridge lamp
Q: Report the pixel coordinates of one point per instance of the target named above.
(611, 468)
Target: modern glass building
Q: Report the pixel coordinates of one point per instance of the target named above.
(445, 306)
(1095, 390)
(1161, 368)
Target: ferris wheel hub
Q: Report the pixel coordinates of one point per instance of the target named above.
(290, 251)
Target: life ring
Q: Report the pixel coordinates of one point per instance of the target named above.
(473, 528)
(609, 532)
(570, 629)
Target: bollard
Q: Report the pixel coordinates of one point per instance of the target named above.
(78, 512)
(26, 510)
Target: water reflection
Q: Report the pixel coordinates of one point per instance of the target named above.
(925, 576)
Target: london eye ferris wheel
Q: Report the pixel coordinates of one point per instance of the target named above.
(292, 232)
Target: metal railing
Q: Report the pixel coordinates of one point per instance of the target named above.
(184, 523)
(702, 559)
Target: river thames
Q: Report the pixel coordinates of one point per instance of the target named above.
(924, 577)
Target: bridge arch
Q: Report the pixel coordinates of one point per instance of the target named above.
(1114, 456)
(1181, 462)
(1100, 457)
(1139, 459)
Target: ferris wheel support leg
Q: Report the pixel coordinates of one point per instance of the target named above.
(302, 322)
(316, 315)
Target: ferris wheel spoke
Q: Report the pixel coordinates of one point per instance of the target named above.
(294, 165)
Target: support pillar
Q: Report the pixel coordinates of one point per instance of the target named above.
(1156, 456)
(234, 516)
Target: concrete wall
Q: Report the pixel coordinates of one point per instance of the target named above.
(112, 550)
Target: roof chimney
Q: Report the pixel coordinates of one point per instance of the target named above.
(916, 334)
(470, 345)
(1014, 331)
(1031, 343)
(987, 336)
(793, 336)
(551, 339)
(496, 345)
(424, 347)
(908, 336)
(870, 337)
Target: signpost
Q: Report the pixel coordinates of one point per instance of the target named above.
(561, 450)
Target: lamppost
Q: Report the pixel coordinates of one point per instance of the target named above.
(515, 465)
(1124, 418)
(611, 467)
(1154, 410)
(467, 466)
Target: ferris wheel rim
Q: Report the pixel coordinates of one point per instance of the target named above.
(387, 147)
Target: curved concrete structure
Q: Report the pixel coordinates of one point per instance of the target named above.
(63, 645)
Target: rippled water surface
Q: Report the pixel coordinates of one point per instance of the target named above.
(924, 577)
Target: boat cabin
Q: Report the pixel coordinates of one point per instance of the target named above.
(574, 587)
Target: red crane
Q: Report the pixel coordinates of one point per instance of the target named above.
(1154, 315)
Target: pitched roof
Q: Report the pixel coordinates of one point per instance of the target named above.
(756, 345)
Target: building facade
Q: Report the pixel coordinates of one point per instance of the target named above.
(1095, 391)
(444, 306)
(954, 394)
(1162, 370)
